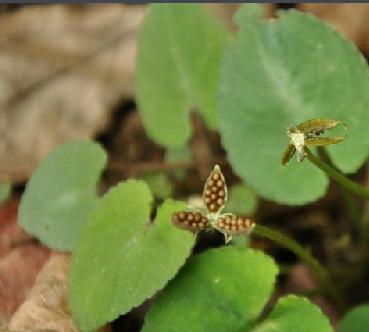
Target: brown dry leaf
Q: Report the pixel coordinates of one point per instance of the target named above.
(18, 271)
(349, 18)
(19, 261)
(62, 69)
(11, 235)
(46, 304)
(46, 308)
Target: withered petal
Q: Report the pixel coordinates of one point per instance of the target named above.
(318, 126)
(322, 141)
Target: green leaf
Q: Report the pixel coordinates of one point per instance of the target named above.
(61, 194)
(357, 320)
(121, 258)
(273, 76)
(220, 290)
(241, 200)
(293, 313)
(5, 191)
(160, 185)
(179, 52)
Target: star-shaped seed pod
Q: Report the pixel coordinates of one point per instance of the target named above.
(308, 134)
(214, 197)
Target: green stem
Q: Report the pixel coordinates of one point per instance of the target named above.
(299, 251)
(337, 176)
(319, 271)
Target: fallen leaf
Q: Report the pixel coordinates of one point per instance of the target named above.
(60, 82)
(46, 305)
(11, 235)
(19, 261)
(18, 271)
(46, 309)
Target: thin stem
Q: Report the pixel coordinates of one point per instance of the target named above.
(319, 271)
(289, 243)
(337, 176)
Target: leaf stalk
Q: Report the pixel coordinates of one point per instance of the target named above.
(319, 271)
(337, 176)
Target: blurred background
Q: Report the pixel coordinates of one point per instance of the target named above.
(67, 72)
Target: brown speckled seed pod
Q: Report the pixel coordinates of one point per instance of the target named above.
(215, 191)
(192, 221)
(232, 224)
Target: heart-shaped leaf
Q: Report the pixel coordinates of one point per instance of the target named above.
(293, 313)
(357, 320)
(177, 69)
(61, 193)
(220, 290)
(282, 72)
(121, 258)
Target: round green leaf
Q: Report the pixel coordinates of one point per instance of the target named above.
(220, 290)
(61, 193)
(282, 72)
(5, 191)
(241, 200)
(121, 258)
(357, 320)
(178, 59)
(297, 314)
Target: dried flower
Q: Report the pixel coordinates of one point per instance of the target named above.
(308, 134)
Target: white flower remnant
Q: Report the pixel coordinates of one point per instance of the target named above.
(297, 138)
